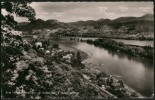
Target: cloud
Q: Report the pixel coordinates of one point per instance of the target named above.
(102, 9)
(123, 8)
(73, 11)
(42, 13)
(58, 13)
(145, 9)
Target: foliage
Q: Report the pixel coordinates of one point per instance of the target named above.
(12, 45)
(55, 46)
(78, 57)
(139, 51)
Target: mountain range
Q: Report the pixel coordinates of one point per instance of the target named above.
(144, 23)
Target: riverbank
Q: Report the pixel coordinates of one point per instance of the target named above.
(85, 55)
(128, 89)
(137, 51)
(126, 38)
(70, 45)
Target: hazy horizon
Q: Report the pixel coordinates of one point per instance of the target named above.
(82, 11)
(88, 20)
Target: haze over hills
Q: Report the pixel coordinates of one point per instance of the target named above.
(147, 17)
(121, 25)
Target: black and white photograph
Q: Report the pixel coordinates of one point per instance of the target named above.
(77, 50)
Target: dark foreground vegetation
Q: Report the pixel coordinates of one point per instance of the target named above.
(139, 51)
(40, 69)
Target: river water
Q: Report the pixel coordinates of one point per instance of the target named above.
(137, 73)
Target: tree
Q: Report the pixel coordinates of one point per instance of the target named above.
(78, 57)
(55, 46)
(11, 42)
(121, 83)
(134, 94)
(8, 24)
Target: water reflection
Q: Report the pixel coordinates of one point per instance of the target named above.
(135, 72)
(145, 62)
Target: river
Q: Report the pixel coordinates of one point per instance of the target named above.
(137, 73)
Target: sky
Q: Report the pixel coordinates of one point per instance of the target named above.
(76, 11)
